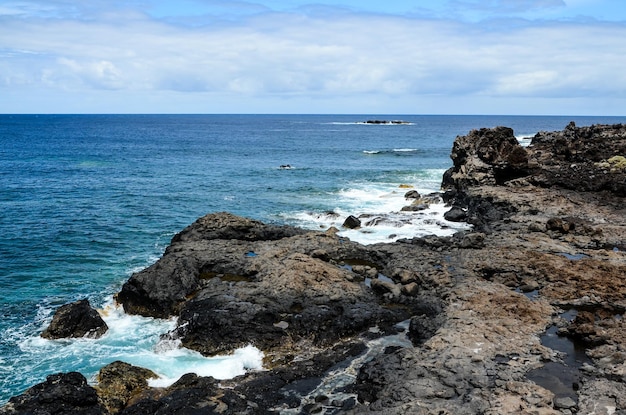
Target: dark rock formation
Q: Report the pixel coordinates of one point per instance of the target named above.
(75, 320)
(486, 157)
(159, 290)
(352, 222)
(61, 394)
(455, 214)
(291, 289)
(386, 122)
(577, 158)
(191, 394)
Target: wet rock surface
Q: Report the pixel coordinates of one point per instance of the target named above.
(77, 319)
(483, 322)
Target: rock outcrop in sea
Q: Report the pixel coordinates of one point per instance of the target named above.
(484, 322)
(76, 319)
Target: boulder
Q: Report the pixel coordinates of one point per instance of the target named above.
(455, 214)
(352, 222)
(77, 319)
(412, 194)
(118, 382)
(474, 240)
(415, 207)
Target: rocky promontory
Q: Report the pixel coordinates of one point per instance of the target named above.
(522, 314)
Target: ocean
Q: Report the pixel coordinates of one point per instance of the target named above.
(86, 200)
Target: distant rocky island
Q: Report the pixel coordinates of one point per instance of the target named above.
(483, 322)
(394, 122)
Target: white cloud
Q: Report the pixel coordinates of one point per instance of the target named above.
(341, 58)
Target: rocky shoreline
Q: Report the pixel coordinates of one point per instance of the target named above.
(484, 322)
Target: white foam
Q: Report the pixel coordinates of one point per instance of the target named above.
(380, 210)
(134, 340)
(222, 367)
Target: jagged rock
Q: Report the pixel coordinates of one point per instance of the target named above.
(60, 394)
(487, 156)
(225, 225)
(77, 319)
(577, 157)
(317, 300)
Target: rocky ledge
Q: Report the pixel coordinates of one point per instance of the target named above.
(521, 315)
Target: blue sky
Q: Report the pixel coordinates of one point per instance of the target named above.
(550, 57)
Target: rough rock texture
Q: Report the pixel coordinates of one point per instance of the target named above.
(61, 394)
(119, 382)
(191, 394)
(582, 158)
(161, 289)
(279, 294)
(486, 157)
(75, 320)
(523, 314)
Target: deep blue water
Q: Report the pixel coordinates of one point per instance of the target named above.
(85, 200)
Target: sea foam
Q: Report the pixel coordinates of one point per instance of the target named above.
(379, 207)
(134, 340)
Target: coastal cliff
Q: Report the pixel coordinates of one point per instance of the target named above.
(485, 321)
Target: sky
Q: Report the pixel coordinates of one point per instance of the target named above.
(526, 57)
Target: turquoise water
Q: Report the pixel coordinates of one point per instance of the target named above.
(86, 200)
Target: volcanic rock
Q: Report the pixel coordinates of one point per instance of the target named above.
(77, 319)
(62, 394)
(486, 157)
(291, 292)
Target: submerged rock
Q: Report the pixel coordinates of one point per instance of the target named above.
(77, 319)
